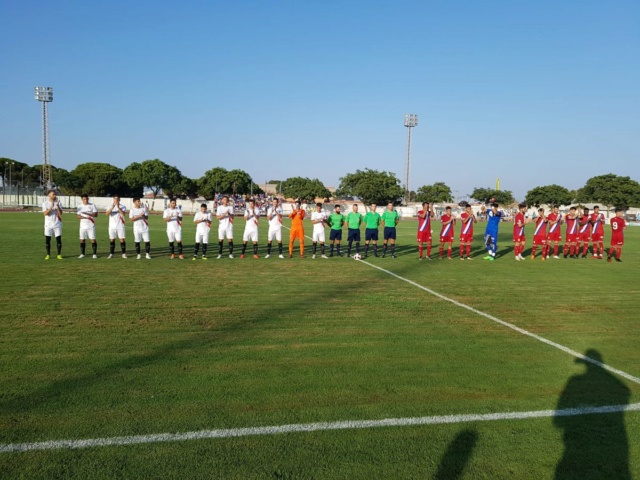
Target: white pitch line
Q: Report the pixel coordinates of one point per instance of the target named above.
(311, 427)
(510, 325)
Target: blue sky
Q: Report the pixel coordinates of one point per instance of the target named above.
(533, 92)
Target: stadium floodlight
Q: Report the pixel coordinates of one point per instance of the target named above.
(410, 121)
(45, 95)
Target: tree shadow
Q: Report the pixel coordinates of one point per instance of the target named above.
(595, 445)
(457, 456)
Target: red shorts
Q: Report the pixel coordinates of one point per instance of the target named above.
(571, 238)
(617, 240)
(424, 237)
(597, 237)
(584, 237)
(519, 238)
(466, 238)
(554, 236)
(447, 239)
(539, 240)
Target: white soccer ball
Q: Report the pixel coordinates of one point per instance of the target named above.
(357, 256)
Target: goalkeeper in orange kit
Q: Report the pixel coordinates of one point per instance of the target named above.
(297, 229)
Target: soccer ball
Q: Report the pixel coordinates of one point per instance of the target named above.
(357, 256)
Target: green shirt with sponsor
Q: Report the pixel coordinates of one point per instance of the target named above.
(337, 219)
(354, 219)
(390, 218)
(372, 220)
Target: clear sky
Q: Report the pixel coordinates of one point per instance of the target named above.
(533, 92)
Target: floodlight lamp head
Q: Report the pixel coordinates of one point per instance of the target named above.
(44, 94)
(410, 120)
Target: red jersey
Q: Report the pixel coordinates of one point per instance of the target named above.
(467, 224)
(617, 230)
(518, 226)
(424, 224)
(554, 228)
(597, 223)
(572, 225)
(540, 233)
(584, 228)
(447, 230)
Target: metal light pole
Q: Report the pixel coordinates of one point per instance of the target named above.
(410, 121)
(45, 95)
(10, 183)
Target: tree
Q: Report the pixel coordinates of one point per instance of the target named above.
(439, 192)
(185, 188)
(611, 190)
(214, 181)
(503, 197)
(241, 182)
(99, 179)
(549, 195)
(371, 186)
(153, 174)
(67, 182)
(304, 188)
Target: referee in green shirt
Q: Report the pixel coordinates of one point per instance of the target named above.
(354, 219)
(335, 235)
(390, 219)
(371, 223)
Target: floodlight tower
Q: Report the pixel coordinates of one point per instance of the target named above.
(45, 95)
(410, 121)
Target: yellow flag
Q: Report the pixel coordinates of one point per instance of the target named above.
(498, 184)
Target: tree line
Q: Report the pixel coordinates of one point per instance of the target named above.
(369, 186)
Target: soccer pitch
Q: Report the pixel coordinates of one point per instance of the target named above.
(302, 368)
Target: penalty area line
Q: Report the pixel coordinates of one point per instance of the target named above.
(310, 427)
(510, 325)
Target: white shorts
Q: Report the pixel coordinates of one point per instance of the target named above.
(225, 232)
(202, 237)
(89, 233)
(140, 236)
(250, 235)
(117, 232)
(175, 236)
(318, 236)
(52, 232)
(274, 233)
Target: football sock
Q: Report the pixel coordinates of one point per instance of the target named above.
(428, 250)
(349, 249)
(302, 248)
(375, 249)
(555, 249)
(315, 247)
(420, 250)
(331, 249)
(82, 247)
(449, 252)
(147, 247)
(384, 249)
(112, 246)
(461, 251)
(366, 249)
(468, 250)
(137, 247)
(357, 247)
(204, 248)
(94, 247)
(322, 248)
(269, 248)
(171, 248)
(123, 247)
(393, 249)
(230, 247)
(220, 247)
(47, 244)
(533, 250)
(196, 248)
(441, 250)
(244, 247)
(618, 253)
(280, 248)
(255, 248)
(179, 248)
(59, 244)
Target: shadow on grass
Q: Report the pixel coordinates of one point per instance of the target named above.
(457, 456)
(595, 446)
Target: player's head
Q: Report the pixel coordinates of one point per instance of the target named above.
(425, 205)
(337, 208)
(541, 211)
(275, 202)
(52, 195)
(225, 200)
(252, 203)
(116, 199)
(572, 209)
(596, 209)
(136, 202)
(373, 206)
(448, 210)
(556, 208)
(318, 207)
(172, 203)
(522, 207)
(494, 207)
(85, 198)
(618, 212)
(390, 206)
(203, 208)
(355, 207)
(298, 204)
(467, 207)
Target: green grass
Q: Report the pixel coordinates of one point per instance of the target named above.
(99, 348)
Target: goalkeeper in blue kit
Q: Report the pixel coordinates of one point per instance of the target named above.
(491, 233)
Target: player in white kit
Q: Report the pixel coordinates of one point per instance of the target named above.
(318, 219)
(116, 213)
(274, 216)
(87, 212)
(251, 216)
(52, 211)
(139, 216)
(203, 220)
(224, 214)
(173, 217)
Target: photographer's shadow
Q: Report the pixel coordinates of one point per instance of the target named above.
(595, 445)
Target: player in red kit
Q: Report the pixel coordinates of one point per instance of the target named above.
(597, 232)
(584, 232)
(446, 232)
(540, 236)
(617, 235)
(571, 234)
(518, 232)
(424, 228)
(554, 237)
(466, 232)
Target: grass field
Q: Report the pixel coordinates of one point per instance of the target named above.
(109, 348)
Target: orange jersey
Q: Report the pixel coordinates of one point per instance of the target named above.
(296, 219)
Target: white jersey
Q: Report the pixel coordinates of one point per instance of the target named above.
(251, 217)
(141, 225)
(272, 216)
(318, 227)
(203, 227)
(54, 218)
(227, 221)
(175, 219)
(85, 211)
(116, 216)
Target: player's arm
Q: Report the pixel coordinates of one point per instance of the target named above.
(422, 214)
(397, 219)
(167, 218)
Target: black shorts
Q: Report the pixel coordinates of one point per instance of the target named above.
(353, 235)
(389, 233)
(371, 234)
(335, 234)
